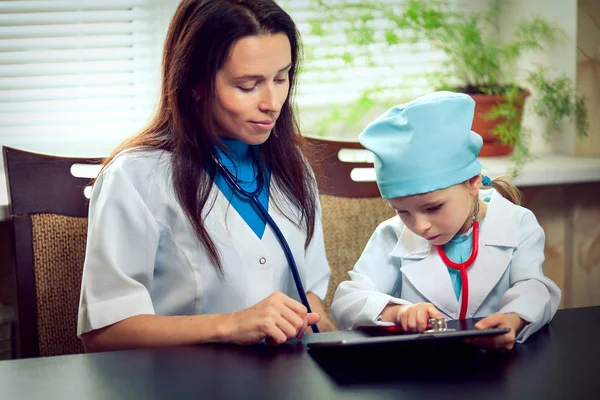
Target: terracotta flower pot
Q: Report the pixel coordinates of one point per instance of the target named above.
(492, 146)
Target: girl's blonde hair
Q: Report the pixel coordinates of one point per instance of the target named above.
(506, 189)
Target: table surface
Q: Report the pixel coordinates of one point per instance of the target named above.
(561, 361)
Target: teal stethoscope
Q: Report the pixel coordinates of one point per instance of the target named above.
(253, 196)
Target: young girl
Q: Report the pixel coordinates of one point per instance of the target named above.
(174, 255)
(410, 271)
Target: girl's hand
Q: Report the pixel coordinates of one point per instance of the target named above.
(277, 318)
(413, 318)
(499, 342)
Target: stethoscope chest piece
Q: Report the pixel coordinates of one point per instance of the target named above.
(438, 325)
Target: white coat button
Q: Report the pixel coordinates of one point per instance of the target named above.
(262, 260)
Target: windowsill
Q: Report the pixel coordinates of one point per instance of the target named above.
(546, 169)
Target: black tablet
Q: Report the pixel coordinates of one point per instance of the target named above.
(457, 330)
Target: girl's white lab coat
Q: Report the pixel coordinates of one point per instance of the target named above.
(397, 266)
(143, 257)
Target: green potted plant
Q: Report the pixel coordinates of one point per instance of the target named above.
(478, 64)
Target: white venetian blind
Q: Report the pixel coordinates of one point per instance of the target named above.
(337, 72)
(76, 76)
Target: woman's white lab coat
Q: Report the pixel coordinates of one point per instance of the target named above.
(143, 257)
(397, 266)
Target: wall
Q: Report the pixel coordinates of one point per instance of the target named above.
(588, 71)
(570, 216)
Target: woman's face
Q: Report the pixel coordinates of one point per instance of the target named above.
(252, 87)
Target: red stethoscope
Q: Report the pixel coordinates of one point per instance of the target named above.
(463, 266)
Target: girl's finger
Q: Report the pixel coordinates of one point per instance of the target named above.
(434, 312)
(412, 320)
(422, 318)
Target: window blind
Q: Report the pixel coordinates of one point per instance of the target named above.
(76, 76)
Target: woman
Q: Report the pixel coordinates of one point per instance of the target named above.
(174, 255)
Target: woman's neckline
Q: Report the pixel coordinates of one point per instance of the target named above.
(237, 151)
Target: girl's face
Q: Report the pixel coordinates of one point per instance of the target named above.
(438, 216)
(252, 87)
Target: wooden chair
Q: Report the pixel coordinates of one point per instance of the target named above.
(49, 211)
(351, 210)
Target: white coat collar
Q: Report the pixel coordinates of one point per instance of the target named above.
(430, 276)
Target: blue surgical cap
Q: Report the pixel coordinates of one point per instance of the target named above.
(424, 145)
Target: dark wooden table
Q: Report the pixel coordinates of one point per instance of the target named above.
(562, 361)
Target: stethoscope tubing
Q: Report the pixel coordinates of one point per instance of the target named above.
(462, 267)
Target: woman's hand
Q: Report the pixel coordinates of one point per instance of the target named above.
(499, 342)
(277, 318)
(412, 318)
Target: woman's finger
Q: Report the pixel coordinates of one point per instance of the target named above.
(294, 319)
(289, 330)
(313, 318)
(294, 305)
(275, 336)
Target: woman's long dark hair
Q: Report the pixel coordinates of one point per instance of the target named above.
(199, 42)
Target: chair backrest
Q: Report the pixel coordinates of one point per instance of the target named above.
(351, 209)
(48, 210)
